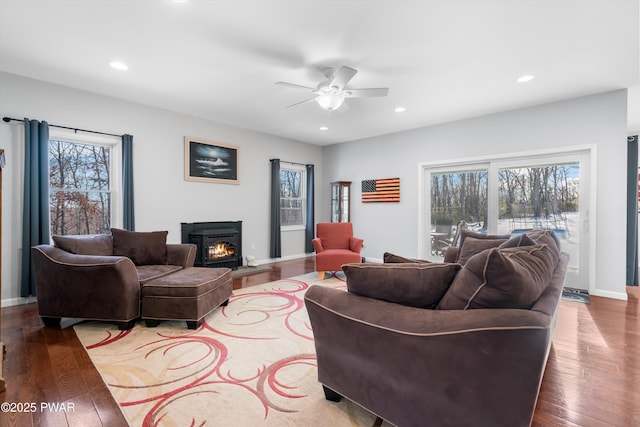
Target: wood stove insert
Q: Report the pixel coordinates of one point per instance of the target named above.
(218, 243)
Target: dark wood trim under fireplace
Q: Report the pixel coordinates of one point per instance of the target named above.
(219, 243)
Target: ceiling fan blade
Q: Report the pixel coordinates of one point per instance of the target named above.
(342, 77)
(301, 102)
(295, 86)
(361, 93)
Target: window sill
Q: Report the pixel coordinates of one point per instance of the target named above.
(292, 228)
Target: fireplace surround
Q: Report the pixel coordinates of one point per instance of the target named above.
(218, 243)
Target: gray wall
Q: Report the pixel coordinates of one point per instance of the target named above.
(598, 121)
(163, 199)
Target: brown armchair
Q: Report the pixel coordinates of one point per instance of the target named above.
(335, 246)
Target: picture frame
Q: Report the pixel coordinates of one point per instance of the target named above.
(210, 161)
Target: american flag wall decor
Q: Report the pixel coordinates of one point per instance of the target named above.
(381, 190)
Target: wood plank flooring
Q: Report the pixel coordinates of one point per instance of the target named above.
(592, 377)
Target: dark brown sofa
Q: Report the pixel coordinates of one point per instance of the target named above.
(99, 277)
(471, 361)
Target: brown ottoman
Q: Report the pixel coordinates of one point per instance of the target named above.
(188, 294)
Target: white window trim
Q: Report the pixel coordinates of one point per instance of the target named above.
(115, 172)
(303, 191)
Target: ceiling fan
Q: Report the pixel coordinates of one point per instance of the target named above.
(330, 94)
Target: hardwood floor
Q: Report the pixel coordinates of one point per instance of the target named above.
(592, 376)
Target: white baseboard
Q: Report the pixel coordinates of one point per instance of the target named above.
(17, 301)
(284, 258)
(608, 294)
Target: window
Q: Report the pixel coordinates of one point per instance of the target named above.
(457, 197)
(83, 182)
(292, 197)
(509, 195)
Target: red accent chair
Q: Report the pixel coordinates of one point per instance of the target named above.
(335, 245)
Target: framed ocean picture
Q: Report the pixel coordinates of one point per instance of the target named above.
(210, 161)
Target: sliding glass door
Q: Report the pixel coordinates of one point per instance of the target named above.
(510, 196)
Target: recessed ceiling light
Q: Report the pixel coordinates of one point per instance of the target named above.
(525, 78)
(323, 128)
(118, 65)
(400, 109)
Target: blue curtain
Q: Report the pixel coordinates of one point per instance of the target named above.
(632, 211)
(35, 213)
(127, 183)
(310, 225)
(275, 243)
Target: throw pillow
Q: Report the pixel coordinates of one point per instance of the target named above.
(390, 258)
(466, 233)
(416, 285)
(99, 244)
(473, 245)
(517, 241)
(143, 248)
(544, 237)
(502, 278)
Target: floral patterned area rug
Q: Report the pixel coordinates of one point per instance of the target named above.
(252, 363)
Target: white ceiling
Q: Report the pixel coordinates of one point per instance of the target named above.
(219, 60)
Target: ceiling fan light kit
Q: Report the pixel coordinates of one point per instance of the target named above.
(330, 95)
(330, 101)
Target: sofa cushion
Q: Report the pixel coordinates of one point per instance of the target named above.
(147, 273)
(390, 258)
(416, 285)
(143, 248)
(502, 278)
(473, 245)
(99, 244)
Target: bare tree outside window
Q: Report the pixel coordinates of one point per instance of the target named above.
(459, 196)
(455, 197)
(79, 188)
(539, 196)
(291, 197)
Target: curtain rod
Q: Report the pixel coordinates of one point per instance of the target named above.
(291, 163)
(9, 119)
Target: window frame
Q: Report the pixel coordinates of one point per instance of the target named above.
(115, 166)
(303, 192)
